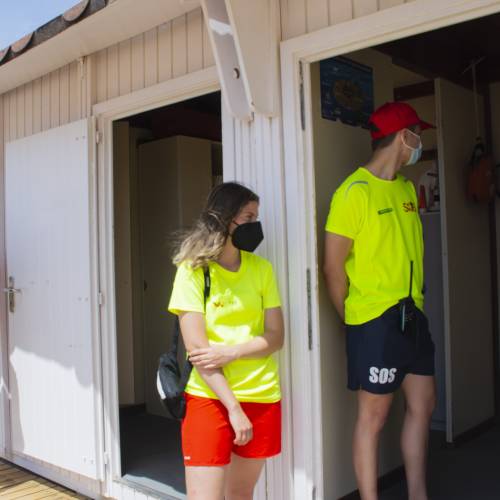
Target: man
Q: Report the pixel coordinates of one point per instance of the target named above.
(374, 274)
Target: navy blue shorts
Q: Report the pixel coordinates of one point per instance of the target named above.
(379, 355)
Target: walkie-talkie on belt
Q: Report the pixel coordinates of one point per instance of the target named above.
(407, 305)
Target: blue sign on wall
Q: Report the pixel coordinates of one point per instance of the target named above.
(346, 91)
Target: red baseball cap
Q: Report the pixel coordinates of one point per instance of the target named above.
(393, 117)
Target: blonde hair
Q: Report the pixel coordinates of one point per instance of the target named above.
(205, 241)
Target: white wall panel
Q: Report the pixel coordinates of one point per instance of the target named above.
(253, 155)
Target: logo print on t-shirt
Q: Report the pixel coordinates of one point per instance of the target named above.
(409, 206)
(224, 299)
(385, 211)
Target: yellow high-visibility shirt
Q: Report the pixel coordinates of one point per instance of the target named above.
(234, 315)
(381, 217)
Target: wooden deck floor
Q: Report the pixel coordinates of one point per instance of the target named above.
(17, 483)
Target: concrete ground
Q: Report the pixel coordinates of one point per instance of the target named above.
(468, 472)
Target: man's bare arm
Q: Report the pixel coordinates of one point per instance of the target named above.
(337, 249)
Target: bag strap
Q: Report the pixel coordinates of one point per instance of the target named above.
(208, 284)
(206, 294)
(188, 366)
(411, 278)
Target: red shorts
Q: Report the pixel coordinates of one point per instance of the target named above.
(207, 435)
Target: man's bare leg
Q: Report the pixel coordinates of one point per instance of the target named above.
(372, 414)
(420, 394)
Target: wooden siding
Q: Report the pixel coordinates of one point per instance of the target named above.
(52, 100)
(168, 51)
(305, 16)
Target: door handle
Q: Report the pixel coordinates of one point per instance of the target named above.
(11, 291)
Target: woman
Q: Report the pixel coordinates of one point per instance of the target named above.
(233, 412)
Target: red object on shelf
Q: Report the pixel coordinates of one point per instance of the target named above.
(422, 203)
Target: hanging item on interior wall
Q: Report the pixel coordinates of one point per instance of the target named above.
(481, 178)
(481, 173)
(346, 91)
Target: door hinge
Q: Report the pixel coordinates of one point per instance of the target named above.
(105, 457)
(100, 298)
(309, 310)
(301, 96)
(98, 137)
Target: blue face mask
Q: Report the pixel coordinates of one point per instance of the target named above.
(416, 153)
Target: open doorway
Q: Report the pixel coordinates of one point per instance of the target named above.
(430, 72)
(165, 162)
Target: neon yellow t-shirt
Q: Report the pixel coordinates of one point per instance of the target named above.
(234, 315)
(381, 216)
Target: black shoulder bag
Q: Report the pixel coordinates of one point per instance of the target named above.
(170, 380)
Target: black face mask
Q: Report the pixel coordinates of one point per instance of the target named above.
(247, 236)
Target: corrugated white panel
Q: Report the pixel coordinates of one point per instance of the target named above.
(305, 16)
(168, 51)
(255, 158)
(51, 375)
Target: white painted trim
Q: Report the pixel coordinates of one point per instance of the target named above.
(5, 407)
(94, 287)
(161, 94)
(386, 25)
(446, 281)
(169, 92)
(306, 398)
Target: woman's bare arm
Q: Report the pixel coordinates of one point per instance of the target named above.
(194, 336)
(216, 356)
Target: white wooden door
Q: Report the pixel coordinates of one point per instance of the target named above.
(466, 268)
(52, 333)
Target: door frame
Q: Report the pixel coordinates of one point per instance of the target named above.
(297, 55)
(172, 91)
